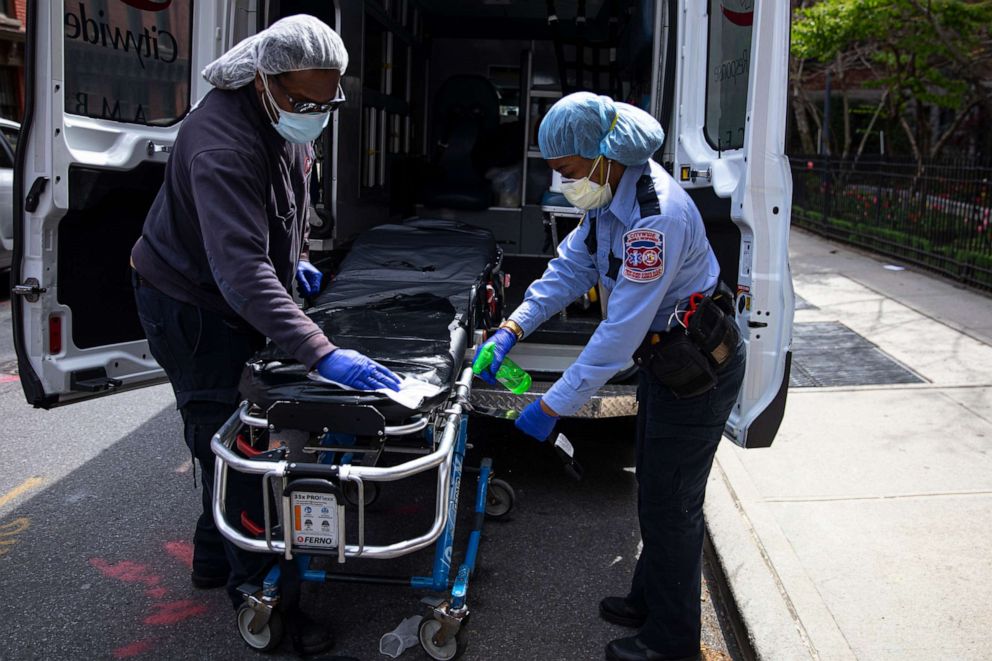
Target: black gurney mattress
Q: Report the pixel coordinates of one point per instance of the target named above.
(406, 295)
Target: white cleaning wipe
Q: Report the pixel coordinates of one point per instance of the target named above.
(412, 393)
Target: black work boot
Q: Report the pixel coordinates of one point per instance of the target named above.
(202, 580)
(619, 611)
(307, 635)
(632, 649)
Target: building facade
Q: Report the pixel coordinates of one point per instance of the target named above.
(12, 22)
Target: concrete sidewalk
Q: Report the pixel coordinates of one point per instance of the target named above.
(864, 531)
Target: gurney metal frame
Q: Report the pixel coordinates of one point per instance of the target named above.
(258, 619)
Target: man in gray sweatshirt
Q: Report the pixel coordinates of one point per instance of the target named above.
(222, 244)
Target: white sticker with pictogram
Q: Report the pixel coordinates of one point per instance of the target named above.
(315, 519)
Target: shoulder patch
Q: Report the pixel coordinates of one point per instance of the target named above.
(643, 255)
(647, 197)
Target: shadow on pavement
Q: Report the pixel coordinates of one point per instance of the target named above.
(100, 564)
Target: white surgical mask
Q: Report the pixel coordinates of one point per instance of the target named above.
(586, 194)
(299, 128)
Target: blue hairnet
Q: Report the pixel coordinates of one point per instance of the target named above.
(587, 125)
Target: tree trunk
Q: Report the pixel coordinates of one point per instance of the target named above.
(799, 107)
(939, 144)
(917, 154)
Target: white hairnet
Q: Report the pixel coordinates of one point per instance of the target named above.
(587, 125)
(293, 43)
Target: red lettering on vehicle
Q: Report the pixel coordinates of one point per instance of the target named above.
(148, 5)
(739, 18)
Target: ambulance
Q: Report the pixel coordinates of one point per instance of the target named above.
(444, 98)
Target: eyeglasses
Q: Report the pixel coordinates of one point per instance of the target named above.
(308, 107)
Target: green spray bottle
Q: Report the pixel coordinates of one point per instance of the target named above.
(511, 375)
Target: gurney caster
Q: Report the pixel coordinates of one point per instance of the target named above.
(443, 636)
(259, 623)
(499, 499)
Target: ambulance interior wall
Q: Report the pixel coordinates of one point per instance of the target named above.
(107, 210)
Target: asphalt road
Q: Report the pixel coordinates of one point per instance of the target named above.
(97, 504)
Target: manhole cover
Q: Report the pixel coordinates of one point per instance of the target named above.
(831, 354)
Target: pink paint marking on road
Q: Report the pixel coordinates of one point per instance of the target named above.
(131, 572)
(134, 649)
(157, 593)
(9, 378)
(181, 551)
(174, 612)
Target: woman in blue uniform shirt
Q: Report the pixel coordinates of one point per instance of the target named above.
(644, 239)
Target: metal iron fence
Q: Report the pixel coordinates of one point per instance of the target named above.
(938, 217)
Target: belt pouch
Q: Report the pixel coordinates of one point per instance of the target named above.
(678, 364)
(714, 332)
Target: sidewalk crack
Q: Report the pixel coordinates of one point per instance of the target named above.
(896, 496)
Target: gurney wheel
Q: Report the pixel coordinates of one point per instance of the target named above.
(452, 648)
(268, 638)
(499, 499)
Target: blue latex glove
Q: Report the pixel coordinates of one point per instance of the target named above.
(353, 369)
(308, 278)
(533, 421)
(504, 340)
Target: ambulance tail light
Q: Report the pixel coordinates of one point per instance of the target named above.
(55, 334)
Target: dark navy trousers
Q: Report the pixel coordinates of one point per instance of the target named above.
(676, 441)
(203, 354)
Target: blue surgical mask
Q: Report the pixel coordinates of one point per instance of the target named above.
(299, 128)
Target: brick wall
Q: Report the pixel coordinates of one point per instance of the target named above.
(20, 11)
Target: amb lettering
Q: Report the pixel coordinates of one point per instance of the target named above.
(151, 43)
(109, 109)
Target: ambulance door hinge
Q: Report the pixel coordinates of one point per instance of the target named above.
(37, 188)
(30, 289)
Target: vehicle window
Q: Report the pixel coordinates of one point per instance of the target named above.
(728, 65)
(128, 60)
(245, 21)
(9, 83)
(5, 157)
(11, 136)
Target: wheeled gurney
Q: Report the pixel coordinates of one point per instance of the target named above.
(409, 296)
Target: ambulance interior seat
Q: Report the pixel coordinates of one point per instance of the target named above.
(466, 111)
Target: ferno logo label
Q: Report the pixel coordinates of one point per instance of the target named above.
(148, 5)
(741, 12)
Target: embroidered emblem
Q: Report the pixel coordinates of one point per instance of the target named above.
(643, 255)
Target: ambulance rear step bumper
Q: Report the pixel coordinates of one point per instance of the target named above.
(612, 400)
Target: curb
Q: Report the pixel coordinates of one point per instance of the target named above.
(774, 629)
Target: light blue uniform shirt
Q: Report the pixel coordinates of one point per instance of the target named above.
(650, 251)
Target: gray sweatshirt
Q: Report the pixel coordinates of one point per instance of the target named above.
(230, 221)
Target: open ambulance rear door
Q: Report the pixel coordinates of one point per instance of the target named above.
(108, 84)
(729, 116)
